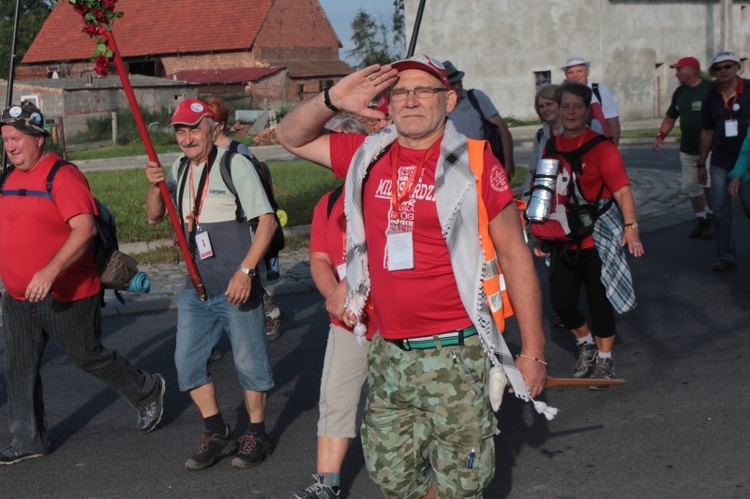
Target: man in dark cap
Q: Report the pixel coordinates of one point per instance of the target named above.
(476, 117)
(46, 231)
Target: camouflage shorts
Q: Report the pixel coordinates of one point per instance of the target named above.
(427, 411)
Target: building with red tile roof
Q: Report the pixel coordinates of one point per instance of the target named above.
(276, 50)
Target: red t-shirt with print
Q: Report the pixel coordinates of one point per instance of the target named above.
(34, 228)
(424, 300)
(602, 164)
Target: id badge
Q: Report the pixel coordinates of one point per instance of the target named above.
(730, 128)
(696, 105)
(204, 245)
(341, 271)
(400, 251)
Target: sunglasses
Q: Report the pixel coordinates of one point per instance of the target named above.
(725, 67)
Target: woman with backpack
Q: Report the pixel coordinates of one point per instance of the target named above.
(593, 257)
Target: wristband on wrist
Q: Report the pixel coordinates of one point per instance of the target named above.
(633, 226)
(701, 165)
(535, 359)
(661, 135)
(327, 101)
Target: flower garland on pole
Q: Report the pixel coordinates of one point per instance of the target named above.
(98, 16)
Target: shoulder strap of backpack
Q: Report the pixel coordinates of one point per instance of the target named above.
(6, 173)
(595, 89)
(182, 170)
(225, 166)
(539, 134)
(475, 103)
(333, 197)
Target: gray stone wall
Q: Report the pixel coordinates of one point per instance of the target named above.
(499, 44)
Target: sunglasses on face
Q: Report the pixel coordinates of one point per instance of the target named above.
(725, 67)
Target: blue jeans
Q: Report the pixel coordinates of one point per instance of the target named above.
(197, 334)
(722, 204)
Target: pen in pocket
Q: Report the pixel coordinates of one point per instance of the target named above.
(471, 458)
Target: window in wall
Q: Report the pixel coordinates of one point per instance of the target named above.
(542, 78)
(323, 84)
(300, 88)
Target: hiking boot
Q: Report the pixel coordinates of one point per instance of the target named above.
(254, 449)
(585, 363)
(11, 455)
(149, 416)
(211, 448)
(603, 369)
(318, 490)
(697, 232)
(273, 325)
(724, 265)
(709, 229)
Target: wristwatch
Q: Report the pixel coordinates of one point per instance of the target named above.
(248, 272)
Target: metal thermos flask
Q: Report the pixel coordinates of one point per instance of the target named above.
(545, 180)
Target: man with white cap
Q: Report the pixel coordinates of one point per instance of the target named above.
(52, 286)
(686, 104)
(603, 107)
(226, 255)
(725, 118)
(413, 248)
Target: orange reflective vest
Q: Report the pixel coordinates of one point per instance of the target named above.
(493, 281)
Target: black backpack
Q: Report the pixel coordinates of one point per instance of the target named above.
(491, 133)
(116, 269)
(264, 173)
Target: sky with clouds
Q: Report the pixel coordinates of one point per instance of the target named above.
(342, 12)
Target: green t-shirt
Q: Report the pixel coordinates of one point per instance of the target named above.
(686, 104)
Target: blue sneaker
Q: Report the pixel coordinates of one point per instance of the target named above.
(11, 455)
(149, 416)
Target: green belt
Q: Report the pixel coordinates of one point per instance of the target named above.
(455, 337)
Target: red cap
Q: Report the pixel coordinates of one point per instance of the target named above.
(424, 63)
(382, 104)
(687, 61)
(190, 112)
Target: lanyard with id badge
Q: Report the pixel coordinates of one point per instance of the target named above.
(198, 239)
(400, 240)
(731, 129)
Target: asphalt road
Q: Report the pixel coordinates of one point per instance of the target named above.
(678, 428)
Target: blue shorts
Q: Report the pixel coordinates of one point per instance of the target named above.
(198, 332)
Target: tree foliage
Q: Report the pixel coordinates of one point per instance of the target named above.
(374, 41)
(32, 15)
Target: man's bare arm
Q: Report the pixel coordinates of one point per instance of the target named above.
(524, 291)
(614, 128)
(75, 246)
(301, 131)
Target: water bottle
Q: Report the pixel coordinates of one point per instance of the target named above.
(545, 180)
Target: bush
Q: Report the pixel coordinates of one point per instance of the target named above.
(99, 129)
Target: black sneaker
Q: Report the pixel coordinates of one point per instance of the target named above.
(211, 448)
(149, 416)
(254, 449)
(603, 369)
(697, 232)
(709, 229)
(724, 265)
(585, 363)
(11, 455)
(318, 490)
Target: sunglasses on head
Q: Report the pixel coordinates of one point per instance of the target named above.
(725, 67)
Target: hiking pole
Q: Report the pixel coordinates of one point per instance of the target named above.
(552, 382)
(163, 189)
(11, 71)
(415, 31)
